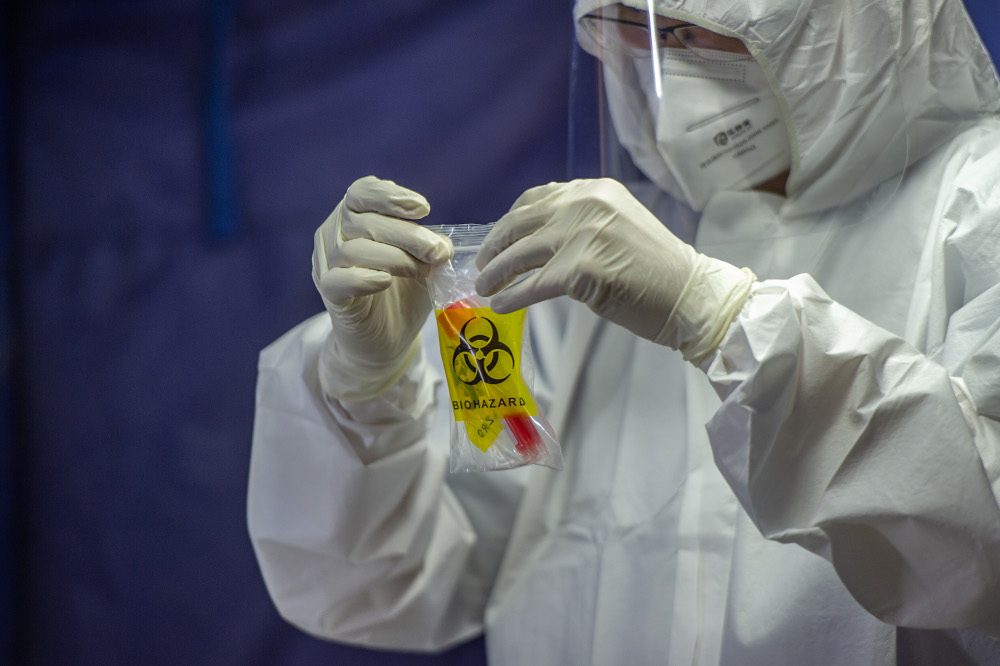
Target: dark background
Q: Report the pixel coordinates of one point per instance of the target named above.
(165, 165)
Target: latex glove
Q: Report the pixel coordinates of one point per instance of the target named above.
(593, 241)
(369, 261)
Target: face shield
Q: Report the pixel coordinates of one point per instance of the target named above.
(691, 106)
(692, 110)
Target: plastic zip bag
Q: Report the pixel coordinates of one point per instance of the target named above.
(488, 366)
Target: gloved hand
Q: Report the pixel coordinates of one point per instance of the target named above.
(369, 262)
(593, 241)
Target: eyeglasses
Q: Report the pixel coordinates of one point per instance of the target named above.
(626, 37)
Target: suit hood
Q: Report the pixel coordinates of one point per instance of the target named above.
(867, 87)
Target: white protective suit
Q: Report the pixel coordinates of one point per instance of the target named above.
(848, 478)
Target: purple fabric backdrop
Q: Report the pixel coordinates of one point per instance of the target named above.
(166, 163)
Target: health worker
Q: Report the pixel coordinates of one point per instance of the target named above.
(771, 353)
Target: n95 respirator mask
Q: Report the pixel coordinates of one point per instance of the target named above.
(716, 126)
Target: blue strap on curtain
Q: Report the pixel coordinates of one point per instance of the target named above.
(223, 218)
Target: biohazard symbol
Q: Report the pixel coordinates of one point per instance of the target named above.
(480, 354)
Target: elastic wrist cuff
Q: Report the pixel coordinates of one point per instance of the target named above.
(712, 297)
(351, 381)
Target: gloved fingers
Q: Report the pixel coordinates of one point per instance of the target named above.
(511, 228)
(371, 194)
(536, 194)
(366, 253)
(340, 285)
(533, 289)
(526, 254)
(411, 238)
(527, 215)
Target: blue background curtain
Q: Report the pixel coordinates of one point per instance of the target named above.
(165, 165)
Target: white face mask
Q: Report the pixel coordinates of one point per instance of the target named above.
(718, 126)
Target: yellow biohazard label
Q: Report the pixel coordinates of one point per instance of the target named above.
(481, 353)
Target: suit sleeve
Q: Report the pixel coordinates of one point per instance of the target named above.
(358, 536)
(843, 438)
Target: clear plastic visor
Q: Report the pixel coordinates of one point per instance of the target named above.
(692, 113)
(690, 105)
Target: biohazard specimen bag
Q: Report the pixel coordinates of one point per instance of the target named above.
(489, 368)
